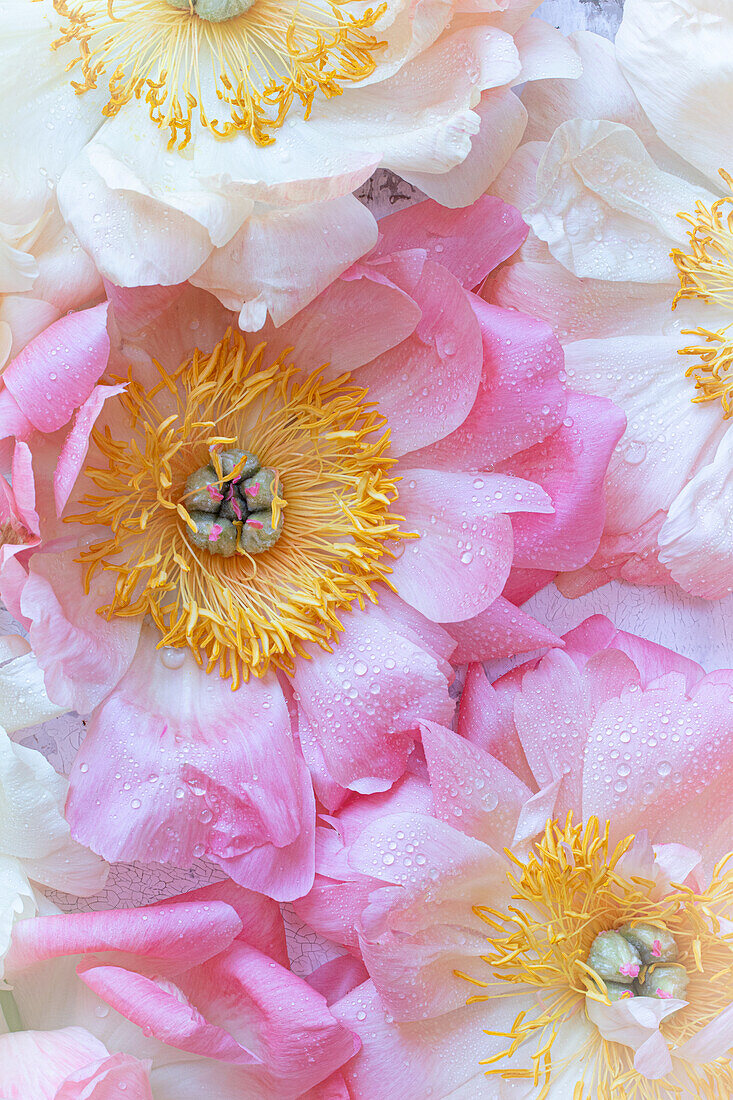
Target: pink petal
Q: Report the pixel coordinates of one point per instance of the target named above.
(712, 1041)
(501, 630)
(176, 765)
(285, 1022)
(427, 384)
(260, 917)
(135, 307)
(520, 399)
(167, 938)
(106, 1079)
(459, 564)
(81, 653)
(57, 371)
(469, 242)
(571, 466)
(364, 700)
(337, 977)
(491, 796)
(76, 445)
(486, 718)
(162, 1013)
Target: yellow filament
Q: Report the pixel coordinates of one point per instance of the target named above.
(251, 68)
(706, 274)
(331, 450)
(568, 890)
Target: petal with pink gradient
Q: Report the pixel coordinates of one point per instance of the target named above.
(500, 630)
(82, 654)
(58, 370)
(469, 243)
(185, 766)
(520, 399)
(76, 445)
(427, 385)
(486, 718)
(492, 795)
(36, 1063)
(105, 1080)
(571, 466)
(461, 560)
(364, 700)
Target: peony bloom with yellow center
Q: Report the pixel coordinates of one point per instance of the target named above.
(253, 558)
(221, 140)
(543, 907)
(629, 198)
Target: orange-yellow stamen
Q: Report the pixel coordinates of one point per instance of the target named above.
(706, 274)
(239, 75)
(244, 613)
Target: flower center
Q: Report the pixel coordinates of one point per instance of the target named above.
(706, 274)
(201, 535)
(234, 505)
(235, 65)
(579, 929)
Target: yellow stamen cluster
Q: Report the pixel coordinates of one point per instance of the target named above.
(330, 447)
(249, 69)
(567, 891)
(706, 274)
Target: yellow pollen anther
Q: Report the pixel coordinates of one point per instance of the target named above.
(237, 73)
(249, 610)
(706, 274)
(570, 891)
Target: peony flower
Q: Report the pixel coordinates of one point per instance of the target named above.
(544, 908)
(36, 848)
(220, 140)
(192, 996)
(624, 182)
(237, 539)
(43, 274)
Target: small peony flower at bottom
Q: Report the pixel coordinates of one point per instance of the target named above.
(545, 906)
(190, 997)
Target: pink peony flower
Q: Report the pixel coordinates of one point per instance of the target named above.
(391, 504)
(504, 893)
(624, 180)
(211, 142)
(192, 996)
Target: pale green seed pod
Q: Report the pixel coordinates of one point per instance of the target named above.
(614, 959)
(653, 942)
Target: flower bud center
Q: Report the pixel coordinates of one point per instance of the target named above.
(214, 11)
(234, 505)
(638, 960)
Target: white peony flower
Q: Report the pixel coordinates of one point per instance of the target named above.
(220, 140)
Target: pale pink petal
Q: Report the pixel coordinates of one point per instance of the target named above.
(76, 445)
(486, 717)
(107, 1079)
(520, 399)
(58, 370)
(427, 385)
(82, 654)
(354, 320)
(333, 909)
(469, 242)
(135, 307)
(571, 466)
(364, 700)
(491, 795)
(635, 1023)
(184, 767)
(652, 660)
(14, 424)
(712, 1041)
(36, 1063)
(501, 630)
(459, 564)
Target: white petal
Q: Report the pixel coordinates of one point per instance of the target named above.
(604, 208)
(695, 541)
(678, 57)
(23, 698)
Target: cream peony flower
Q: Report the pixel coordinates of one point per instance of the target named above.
(625, 183)
(221, 140)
